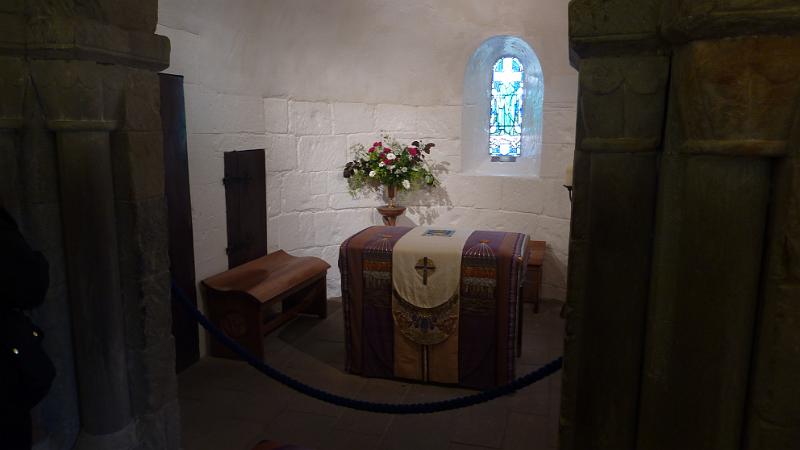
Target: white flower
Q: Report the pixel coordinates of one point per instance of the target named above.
(381, 164)
(390, 167)
(390, 156)
(372, 173)
(406, 184)
(404, 169)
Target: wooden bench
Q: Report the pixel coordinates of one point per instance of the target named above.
(251, 300)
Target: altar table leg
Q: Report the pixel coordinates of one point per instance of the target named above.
(520, 310)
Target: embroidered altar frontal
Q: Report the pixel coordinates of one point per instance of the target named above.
(467, 338)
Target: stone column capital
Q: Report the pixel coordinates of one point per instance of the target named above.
(77, 95)
(13, 84)
(77, 37)
(72, 125)
(613, 28)
(689, 20)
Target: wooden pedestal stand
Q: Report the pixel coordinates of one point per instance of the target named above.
(391, 211)
(390, 214)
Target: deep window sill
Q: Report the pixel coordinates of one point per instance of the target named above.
(504, 159)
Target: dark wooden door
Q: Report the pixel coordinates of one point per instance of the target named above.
(179, 206)
(246, 206)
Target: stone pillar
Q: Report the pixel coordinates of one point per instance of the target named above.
(622, 97)
(691, 343)
(90, 243)
(12, 89)
(773, 412)
(90, 133)
(9, 179)
(724, 129)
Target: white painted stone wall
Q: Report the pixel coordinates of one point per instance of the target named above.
(308, 78)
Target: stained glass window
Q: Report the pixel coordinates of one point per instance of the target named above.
(505, 123)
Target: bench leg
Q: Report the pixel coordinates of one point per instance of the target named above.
(537, 292)
(319, 304)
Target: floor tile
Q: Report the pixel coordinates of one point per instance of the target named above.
(374, 424)
(229, 405)
(482, 425)
(526, 432)
(299, 428)
(346, 440)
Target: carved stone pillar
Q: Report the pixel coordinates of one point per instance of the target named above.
(13, 81)
(724, 129)
(90, 242)
(75, 97)
(622, 98)
(91, 133)
(773, 414)
(683, 286)
(9, 174)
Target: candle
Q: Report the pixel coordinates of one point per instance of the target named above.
(568, 176)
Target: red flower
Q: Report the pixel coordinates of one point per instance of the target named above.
(377, 144)
(413, 151)
(371, 149)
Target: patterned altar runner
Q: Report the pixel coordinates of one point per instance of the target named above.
(466, 340)
(426, 275)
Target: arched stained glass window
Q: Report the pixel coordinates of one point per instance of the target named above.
(502, 110)
(505, 119)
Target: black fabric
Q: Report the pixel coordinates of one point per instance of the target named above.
(24, 273)
(26, 372)
(30, 371)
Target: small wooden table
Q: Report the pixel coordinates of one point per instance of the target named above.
(532, 288)
(242, 300)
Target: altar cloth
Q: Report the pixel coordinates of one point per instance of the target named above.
(426, 263)
(479, 322)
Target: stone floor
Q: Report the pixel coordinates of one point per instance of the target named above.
(227, 405)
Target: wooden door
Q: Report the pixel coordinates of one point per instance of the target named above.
(246, 206)
(179, 217)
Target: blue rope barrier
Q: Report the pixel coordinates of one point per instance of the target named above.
(361, 405)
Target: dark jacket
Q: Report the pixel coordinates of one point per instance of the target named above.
(26, 371)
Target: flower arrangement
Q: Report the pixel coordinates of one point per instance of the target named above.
(388, 163)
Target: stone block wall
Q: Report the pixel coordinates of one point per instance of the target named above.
(311, 211)
(308, 81)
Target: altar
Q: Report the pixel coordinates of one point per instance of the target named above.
(433, 304)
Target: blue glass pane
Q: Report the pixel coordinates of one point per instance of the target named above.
(505, 123)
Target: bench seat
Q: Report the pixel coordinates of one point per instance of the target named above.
(251, 300)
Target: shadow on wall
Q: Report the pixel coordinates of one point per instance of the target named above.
(425, 203)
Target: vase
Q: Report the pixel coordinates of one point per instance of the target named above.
(391, 211)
